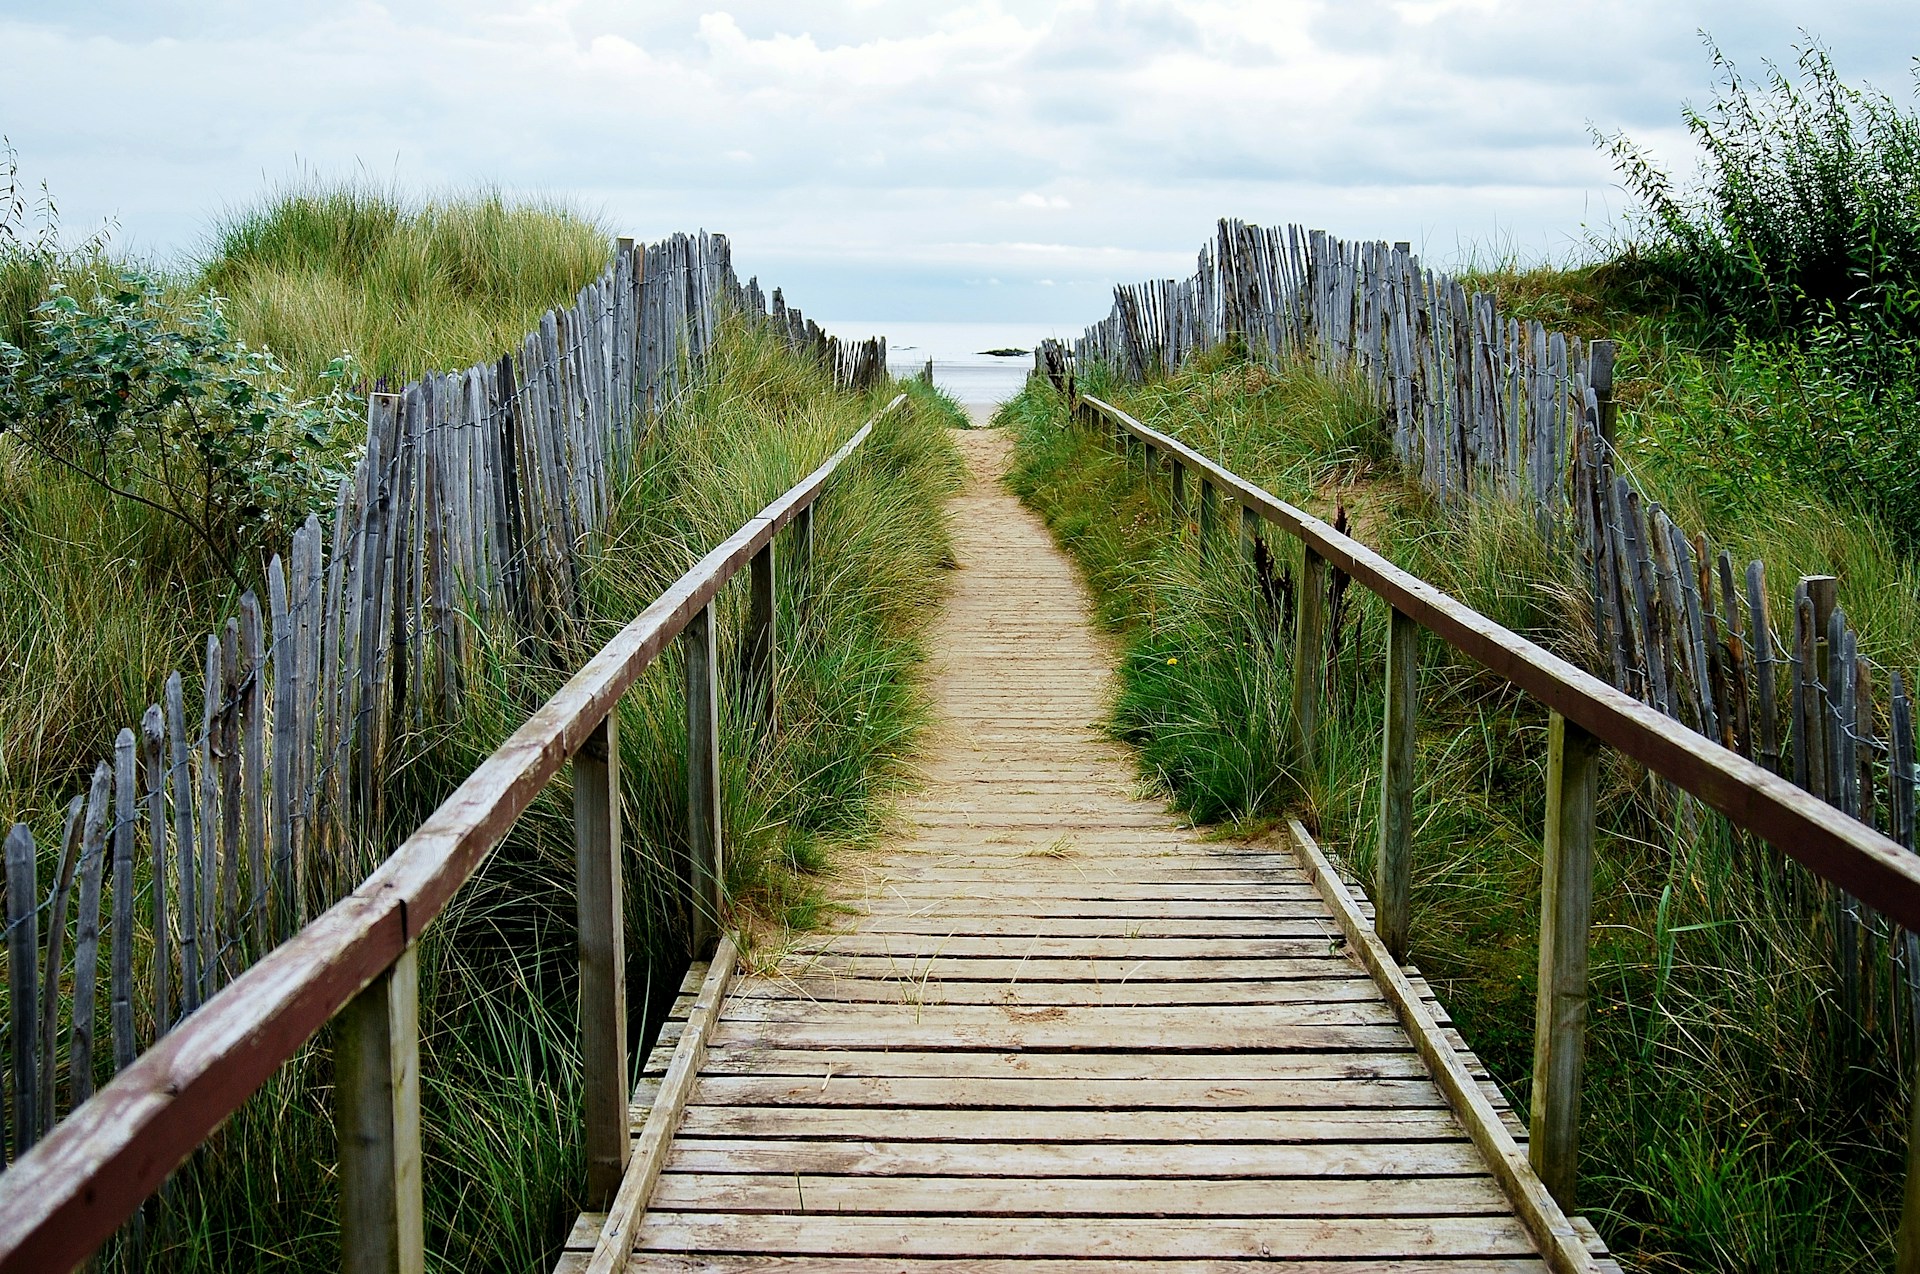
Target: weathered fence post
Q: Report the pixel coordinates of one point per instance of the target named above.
(1203, 491)
(1566, 914)
(1177, 492)
(1249, 530)
(1600, 356)
(23, 958)
(603, 960)
(1393, 864)
(376, 1063)
(704, 851)
(762, 643)
(1309, 653)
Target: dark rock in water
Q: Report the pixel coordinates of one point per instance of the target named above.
(1007, 353)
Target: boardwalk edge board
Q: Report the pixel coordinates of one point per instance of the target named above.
(663, 1119)
(1561, 1243)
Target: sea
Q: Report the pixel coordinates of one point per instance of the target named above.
(961, 365)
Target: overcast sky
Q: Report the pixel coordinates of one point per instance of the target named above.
(903, 159)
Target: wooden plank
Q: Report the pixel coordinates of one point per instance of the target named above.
(930, 945)
(1074, 1198)
(1172, 1238)
(760, 1263)
(663, 1120)
(947, 966)
(935, 1093)
(1027, 994)
(822, 1066)
(1130, 1126)
(918, 923)
(1157, 1161)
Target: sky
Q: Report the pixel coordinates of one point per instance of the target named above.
(904, 159)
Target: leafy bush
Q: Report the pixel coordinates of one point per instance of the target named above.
(1808, 213)
(172, 411)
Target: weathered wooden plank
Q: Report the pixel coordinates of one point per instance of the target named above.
(1131, 1126)
(934, 1093)
(1072, 1199)
(1172, 1238)
(903, 989)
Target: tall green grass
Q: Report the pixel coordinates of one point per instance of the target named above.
(500, 1069)
(405, 287)
(1731, 1121)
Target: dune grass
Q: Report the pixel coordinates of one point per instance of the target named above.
(405, 287)
(1732, 1120)
(500, 1068)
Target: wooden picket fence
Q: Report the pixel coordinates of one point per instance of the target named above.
(1486, 406)
(479, 497)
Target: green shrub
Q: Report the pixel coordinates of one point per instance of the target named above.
(1809, 212)
(170, 410)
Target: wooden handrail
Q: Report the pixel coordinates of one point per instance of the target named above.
(67, 1196)
(1826, 841)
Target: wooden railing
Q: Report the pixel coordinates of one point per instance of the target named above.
(1586, 713)
(356, 962)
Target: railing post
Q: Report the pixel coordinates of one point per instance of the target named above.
(1309, 653)
(800, 556)
(1566, 914)
(1393, 865)
(1203, 491)
(1249, 530)
(603, 960)
(1906, 1259)
(376, 1062)
(704, 850)
(1177, 492)
(762, 643)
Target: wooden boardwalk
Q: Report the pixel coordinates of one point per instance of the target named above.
(1059, 1024)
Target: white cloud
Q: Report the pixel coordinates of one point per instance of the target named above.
(890, 158)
